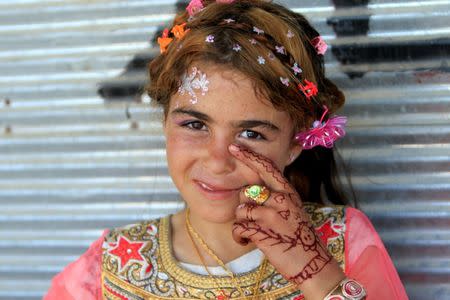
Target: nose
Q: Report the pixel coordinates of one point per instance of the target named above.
(218, 159)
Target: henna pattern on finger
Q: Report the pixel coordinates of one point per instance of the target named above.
(292, 197)
(279, 198)
(249, 228)
(250, 207)
(268, 166)
(285, 214)
(304, 236)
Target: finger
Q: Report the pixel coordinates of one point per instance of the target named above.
(275, 200)
(264, 167)
(244, 232)
(250, 211)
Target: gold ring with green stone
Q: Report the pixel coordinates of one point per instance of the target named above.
(257, 193)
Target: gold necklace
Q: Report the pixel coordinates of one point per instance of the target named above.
(192, 233)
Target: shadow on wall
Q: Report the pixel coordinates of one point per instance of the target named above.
(369, 52)
(129, 85)
(126, 86)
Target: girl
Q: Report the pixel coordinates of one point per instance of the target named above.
(249, 126)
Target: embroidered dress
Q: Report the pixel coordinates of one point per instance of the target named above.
(136, 262)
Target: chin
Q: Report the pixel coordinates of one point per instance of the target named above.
(222, 219)
(218, 215)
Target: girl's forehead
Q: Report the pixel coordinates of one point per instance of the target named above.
(206, 86)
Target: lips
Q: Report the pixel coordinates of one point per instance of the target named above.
(216, 192)
(212, 187)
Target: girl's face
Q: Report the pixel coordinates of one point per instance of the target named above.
(198, 133)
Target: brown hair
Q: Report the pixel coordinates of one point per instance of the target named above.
(276, 21)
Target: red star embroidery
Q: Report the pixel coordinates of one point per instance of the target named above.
(126, 251)
(327, 231)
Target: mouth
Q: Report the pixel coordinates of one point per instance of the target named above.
(216, 192)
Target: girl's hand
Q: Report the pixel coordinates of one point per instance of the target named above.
(280, 227)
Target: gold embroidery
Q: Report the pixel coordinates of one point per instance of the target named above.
(160, 276)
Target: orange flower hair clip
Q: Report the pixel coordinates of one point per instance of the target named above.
(178, 32)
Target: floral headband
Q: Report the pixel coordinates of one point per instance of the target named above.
(322, 133)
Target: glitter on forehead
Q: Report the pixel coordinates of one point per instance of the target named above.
(196, 80)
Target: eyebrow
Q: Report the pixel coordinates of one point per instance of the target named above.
(238, 124)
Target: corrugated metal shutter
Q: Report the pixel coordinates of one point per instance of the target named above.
(73, 163)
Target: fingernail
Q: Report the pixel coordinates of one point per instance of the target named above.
(242, 205)
(234, 147)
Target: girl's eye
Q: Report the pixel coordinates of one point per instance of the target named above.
(250, 134)
(195, 125)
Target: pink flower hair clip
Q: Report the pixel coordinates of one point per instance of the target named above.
(323, 133)
(319, 44)
(197, 5)
(194, 7)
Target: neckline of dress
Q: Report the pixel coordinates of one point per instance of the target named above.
(172, 266)
(244, 263)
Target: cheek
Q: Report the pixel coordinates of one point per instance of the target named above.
(180, 144)
(280, 153)
(275, 152)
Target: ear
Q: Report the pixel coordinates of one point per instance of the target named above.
(294, 152)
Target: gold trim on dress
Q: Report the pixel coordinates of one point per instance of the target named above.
(272, 295)
(197, 286)
(188, 278)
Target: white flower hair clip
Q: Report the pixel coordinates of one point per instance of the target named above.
(195, 81)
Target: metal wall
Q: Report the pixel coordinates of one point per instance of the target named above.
(81, 150)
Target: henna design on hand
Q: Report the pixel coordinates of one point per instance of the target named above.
(292, 232)
(314, 266)
(250, 207)
(279, 198)
(285, 214)
(304, 236)
(268, 166)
